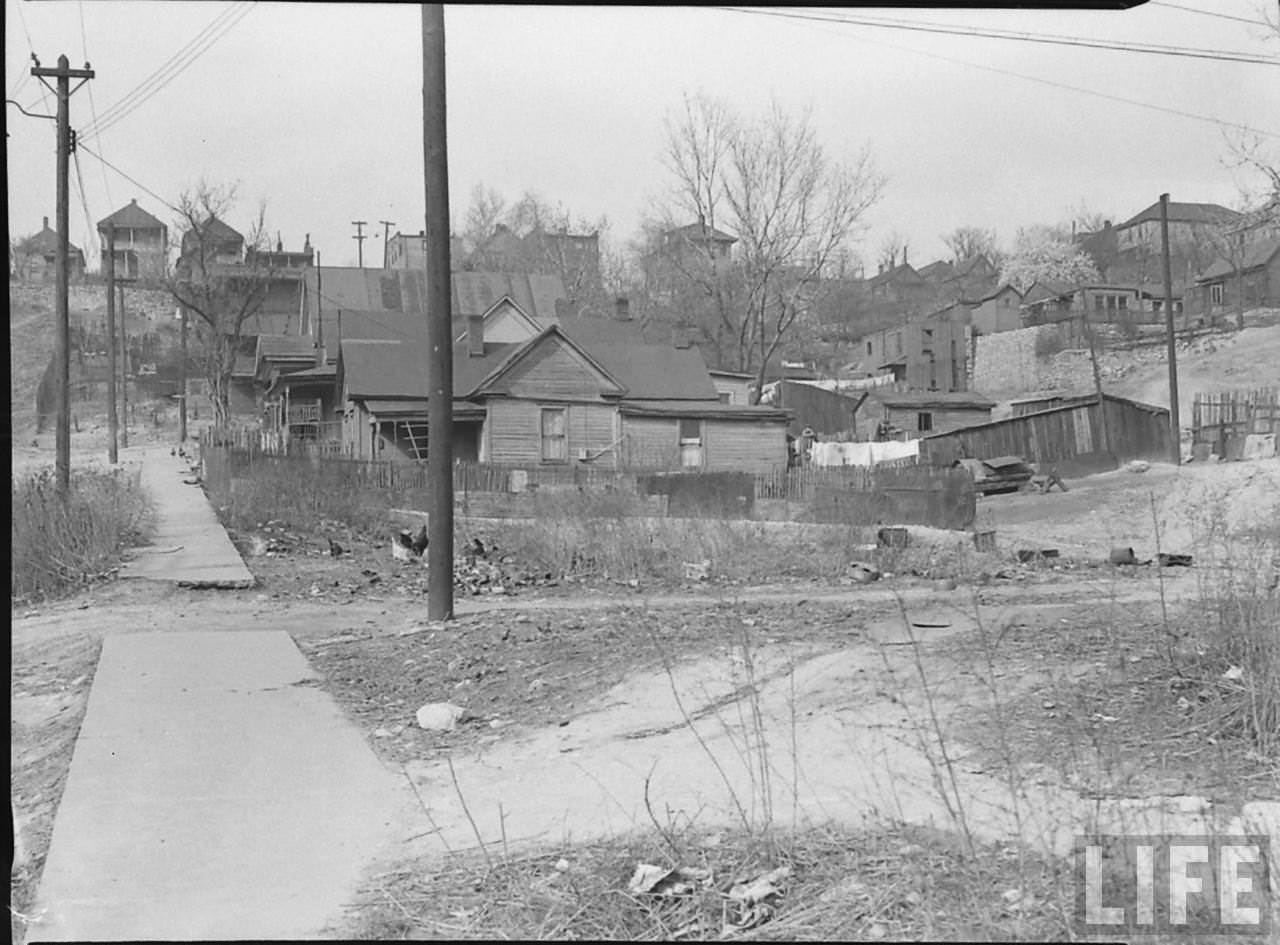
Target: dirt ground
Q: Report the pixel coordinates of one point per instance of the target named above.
(591, 668)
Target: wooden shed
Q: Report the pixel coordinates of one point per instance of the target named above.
(1068, 436)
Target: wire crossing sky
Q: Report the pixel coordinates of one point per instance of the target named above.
(991, 118)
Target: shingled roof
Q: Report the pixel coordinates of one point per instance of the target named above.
(1258, 255)
(1184, 213)
(131, 215)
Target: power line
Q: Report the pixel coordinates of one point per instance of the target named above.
(91, 240)
(1220, 16)
(1062, 85)
(83, 147)
(1043, 38)
(173, 67)
(93, 105)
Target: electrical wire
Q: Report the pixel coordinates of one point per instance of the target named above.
(89, 151)
(93, 105)
(1060, 85)
(26, 74)
(173, 67)
(91, 241)
(1220, 16)
(1218, 55)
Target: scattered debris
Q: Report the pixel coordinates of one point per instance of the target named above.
(1030, 555)
(1173, 560)
(440, 716)
(1233, 673)
(861, 573)
(697, 570)
(895, 537)
(1121, 555)
(650, 880)
(756, 900)
(1137, 466)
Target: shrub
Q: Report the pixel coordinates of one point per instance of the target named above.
(61, 544)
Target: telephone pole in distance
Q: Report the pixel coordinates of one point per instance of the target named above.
(359, 238)
(386, 235)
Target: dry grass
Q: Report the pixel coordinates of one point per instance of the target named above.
(900, 882)
(60, 545)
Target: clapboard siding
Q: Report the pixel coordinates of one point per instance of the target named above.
(744, 445)
(651, 442)
(553, 371)
(513, 432)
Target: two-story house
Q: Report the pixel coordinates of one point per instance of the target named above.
(36, 257)
(141, 244)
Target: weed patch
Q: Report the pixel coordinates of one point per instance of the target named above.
(60, 545)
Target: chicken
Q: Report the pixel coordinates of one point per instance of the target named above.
(420, 541)
(335, 549)
(402, 546)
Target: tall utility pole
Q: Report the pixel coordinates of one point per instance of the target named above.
(439, 334)
(1175, 427)
(62, 335)
(124, 374)
(359, 238)
(386, 235)
(182, 380)
(113, 429)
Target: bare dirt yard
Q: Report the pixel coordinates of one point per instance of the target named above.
(906, 758)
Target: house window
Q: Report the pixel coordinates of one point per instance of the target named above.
(555, 445)
(1215, 293)
(725, 396)
(1124, 303)
(1111, 302)
(1097, 303)
(690, 442)
(924, 421)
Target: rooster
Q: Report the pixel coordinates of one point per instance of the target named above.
(406, 546)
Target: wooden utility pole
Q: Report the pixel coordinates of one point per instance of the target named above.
(182, 379)
(359, 238)
(62, 340)
(439, 318)
(113, 419)
(386, 235)
(124, 374)
(1175, 427)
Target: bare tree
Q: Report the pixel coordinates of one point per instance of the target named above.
(485, 212)
(791, 208)
(969, 242)
(222, 286)
(891, 247)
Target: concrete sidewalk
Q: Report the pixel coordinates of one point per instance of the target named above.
(190, 546)
(215, 793)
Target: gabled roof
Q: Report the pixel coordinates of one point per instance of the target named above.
(999, 291)
(131, 215)
(1043, 289)
(900, 273)
(47, 241)
(215, 229)
(522, 352)
(1258, 255)
(655, 372)
(938, 271)
(1184, 213)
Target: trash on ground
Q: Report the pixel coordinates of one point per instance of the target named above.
(440, 716)
(659, 881)
(1173, 560)
(862, 573)
(1137, 466)
(893, 537)
(697, 570)
(756, 900)
(1028, 555)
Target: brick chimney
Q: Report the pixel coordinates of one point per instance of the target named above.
(475, 336)
(622, 308)
(46, 223)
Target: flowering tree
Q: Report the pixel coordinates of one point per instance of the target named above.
(1046, 253)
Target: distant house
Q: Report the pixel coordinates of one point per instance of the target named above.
(828, 413)
(1046, 302)
(923, 412)
(1187, 223)
(732, 387)
(1000, 310)
(215, 241)
(141, 244)
(409, 251)
(698, 241)
(925, 353)
(36, 257)
(555, 400)
(1253, 283)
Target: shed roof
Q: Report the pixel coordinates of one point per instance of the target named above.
(286, 346)
(131, 215)
(713, 410)
(1257, 256)
(954, 400)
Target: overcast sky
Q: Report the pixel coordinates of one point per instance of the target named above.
(317, 108)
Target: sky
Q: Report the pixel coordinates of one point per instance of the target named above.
(316, 110)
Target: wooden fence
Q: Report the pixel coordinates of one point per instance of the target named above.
(1227, 415)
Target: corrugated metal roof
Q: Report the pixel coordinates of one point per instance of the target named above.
(933, 398)
(131, 215)
(285, 346)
